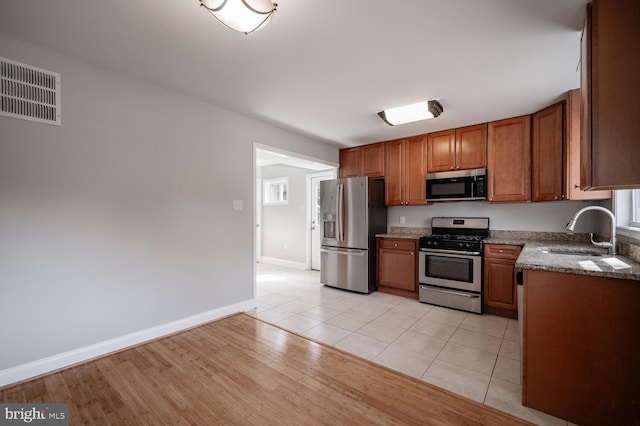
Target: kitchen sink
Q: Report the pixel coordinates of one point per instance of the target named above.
(570, 251)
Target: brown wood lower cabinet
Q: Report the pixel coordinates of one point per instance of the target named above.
(396, 271)
(499, 280)
(582, 347)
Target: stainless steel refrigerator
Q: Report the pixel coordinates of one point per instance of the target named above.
(352, 212)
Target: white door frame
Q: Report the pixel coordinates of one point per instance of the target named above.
(331, 174)
(258, 219)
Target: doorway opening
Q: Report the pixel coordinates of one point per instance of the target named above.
(287, 232)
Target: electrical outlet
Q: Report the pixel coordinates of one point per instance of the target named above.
(401, 220)
(237, 204)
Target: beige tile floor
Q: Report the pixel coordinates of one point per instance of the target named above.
(476, 356)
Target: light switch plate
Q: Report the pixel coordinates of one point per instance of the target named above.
(401, 220)
(237, 204)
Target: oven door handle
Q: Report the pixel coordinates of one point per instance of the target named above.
(455, 293)
(452, 253)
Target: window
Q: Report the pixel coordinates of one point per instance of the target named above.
(635, 208)
(276, 191)
(627, 211)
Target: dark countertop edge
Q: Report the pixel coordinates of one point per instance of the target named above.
(507, 241)
(401, 236)
(578, 271)
(531, 258)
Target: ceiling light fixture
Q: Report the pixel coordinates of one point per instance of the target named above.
(413, 112)
(245, 16)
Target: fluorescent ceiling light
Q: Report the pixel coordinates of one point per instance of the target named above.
(413, 112)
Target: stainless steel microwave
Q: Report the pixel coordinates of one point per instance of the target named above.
(459, 185)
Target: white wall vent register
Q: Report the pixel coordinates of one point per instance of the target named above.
(29, 93)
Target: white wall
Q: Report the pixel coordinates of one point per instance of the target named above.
(549, 216)
(122, 218)
(284, 226)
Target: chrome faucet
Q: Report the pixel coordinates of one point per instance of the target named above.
(611, 245)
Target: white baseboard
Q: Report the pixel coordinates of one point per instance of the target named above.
(283, 262)
(65, 359)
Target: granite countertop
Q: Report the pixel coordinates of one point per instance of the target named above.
(619, 266)
(601, 266)
(408, 233)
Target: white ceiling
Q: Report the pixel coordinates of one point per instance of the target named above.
(266, 157)
(325, 68)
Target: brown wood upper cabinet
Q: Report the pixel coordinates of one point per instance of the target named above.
(459, 149)
(610, 65)
(373, 160)
(546, 153)
(555, 167)
(365, 160)
(405, 171)
(441, 154)
(572, 189)
(350, 162)
(509, 159)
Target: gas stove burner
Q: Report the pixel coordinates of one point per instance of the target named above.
(447, 237)
(456, 234)
(440, 237)
(467, 237)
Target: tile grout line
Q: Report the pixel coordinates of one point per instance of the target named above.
(495, 363)
(458, 328)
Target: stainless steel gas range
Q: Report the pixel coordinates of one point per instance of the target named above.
(450, 268)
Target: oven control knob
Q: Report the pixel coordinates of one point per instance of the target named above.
(468, 245)
(435, 243)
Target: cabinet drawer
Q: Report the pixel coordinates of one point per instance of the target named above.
(389, 243)
(501, 251)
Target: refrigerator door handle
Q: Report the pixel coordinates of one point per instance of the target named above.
(344, 252)
(340, 212)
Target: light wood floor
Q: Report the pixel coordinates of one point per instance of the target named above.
(239, 370)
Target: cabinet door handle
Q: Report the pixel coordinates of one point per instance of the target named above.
(411, 253)
(501, 251)
(395, 244)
